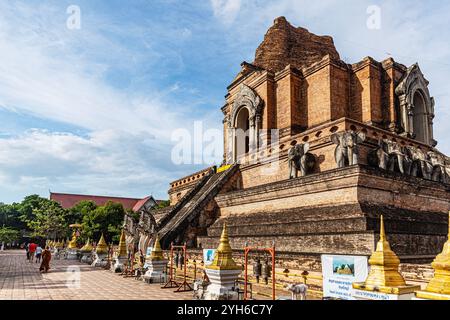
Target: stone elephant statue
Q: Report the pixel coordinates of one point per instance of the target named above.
(439, 171)
(390, 156)
(347, 151)
(420, 165)
(300, 160)
(397, 157)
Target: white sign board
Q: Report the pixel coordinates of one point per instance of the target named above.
(148, 252)
(370, 295)
(208, 256)
(339, 273)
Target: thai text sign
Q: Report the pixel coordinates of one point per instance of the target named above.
(339, 273)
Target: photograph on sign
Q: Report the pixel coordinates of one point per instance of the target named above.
(208, 256)
(344, 266)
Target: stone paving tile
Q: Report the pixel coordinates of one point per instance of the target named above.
(20, 279)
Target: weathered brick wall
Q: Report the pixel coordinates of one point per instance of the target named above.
(337, 211)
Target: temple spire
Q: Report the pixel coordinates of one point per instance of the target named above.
(384, 264)
(87, 246)
(122, 245)
(223, 258)
(101, 245)
(382, 232)
(157, 253)
(439, 286)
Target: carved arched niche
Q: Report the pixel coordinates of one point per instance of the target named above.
(243, 125)
(416, 112)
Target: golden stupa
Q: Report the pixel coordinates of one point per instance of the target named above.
(73, 242)
(87, 247)
(384, 275)
(439, 286)
(157, 253)
(122, 246)
(59, 244)
(223, 259)
(101, 246)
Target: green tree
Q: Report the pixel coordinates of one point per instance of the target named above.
(79, 210)
(49, 220)
(8, 235)
(107, 219)
(10, 216)
(162, 204)
(30, 203)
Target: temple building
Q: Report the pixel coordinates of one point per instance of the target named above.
(315, 151)
(68, 200)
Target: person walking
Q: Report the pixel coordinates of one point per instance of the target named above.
(46, 257)
(32, 249)
(27, 249)
(38, 254)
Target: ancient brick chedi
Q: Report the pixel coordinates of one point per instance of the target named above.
(315, 150)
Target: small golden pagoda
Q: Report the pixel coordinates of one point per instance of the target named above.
(439, 286)
(223, 259)
(101, 248)
(122, 245)
(157, 253)
(59, 244)
(384, 276)
(73, 242)
(87, 247)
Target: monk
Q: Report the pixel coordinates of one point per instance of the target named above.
(46, 257)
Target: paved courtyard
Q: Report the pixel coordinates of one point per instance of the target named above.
(21, 280)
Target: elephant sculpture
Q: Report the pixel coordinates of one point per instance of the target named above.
(347, 151)
(439, 172)
(300, 160)
(390, 156)
(410, 160)
(397, 156)
(420, 165)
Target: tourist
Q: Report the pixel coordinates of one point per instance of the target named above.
(46, 257)
(32, 249)
(27, 246)
(38, 254)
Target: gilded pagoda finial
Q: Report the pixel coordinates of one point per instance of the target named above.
(384, 275)
(223, 258)
(439, 286)
(157, 253)
(87, 246)
(384, 264)
(122, 245)
(101, 245)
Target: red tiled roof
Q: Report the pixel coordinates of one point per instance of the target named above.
(69, 200)
(140, 203)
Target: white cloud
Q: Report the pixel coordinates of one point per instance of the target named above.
(226, 10)
(62, 75)
(54, 73)
(105, 162)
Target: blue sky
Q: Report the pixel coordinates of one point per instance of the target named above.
(92, 110)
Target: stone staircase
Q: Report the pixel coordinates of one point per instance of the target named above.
(192, 204)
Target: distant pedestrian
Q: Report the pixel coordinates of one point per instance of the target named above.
(27, 249)
(38, 254)
(46, 257)
(32, 249)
